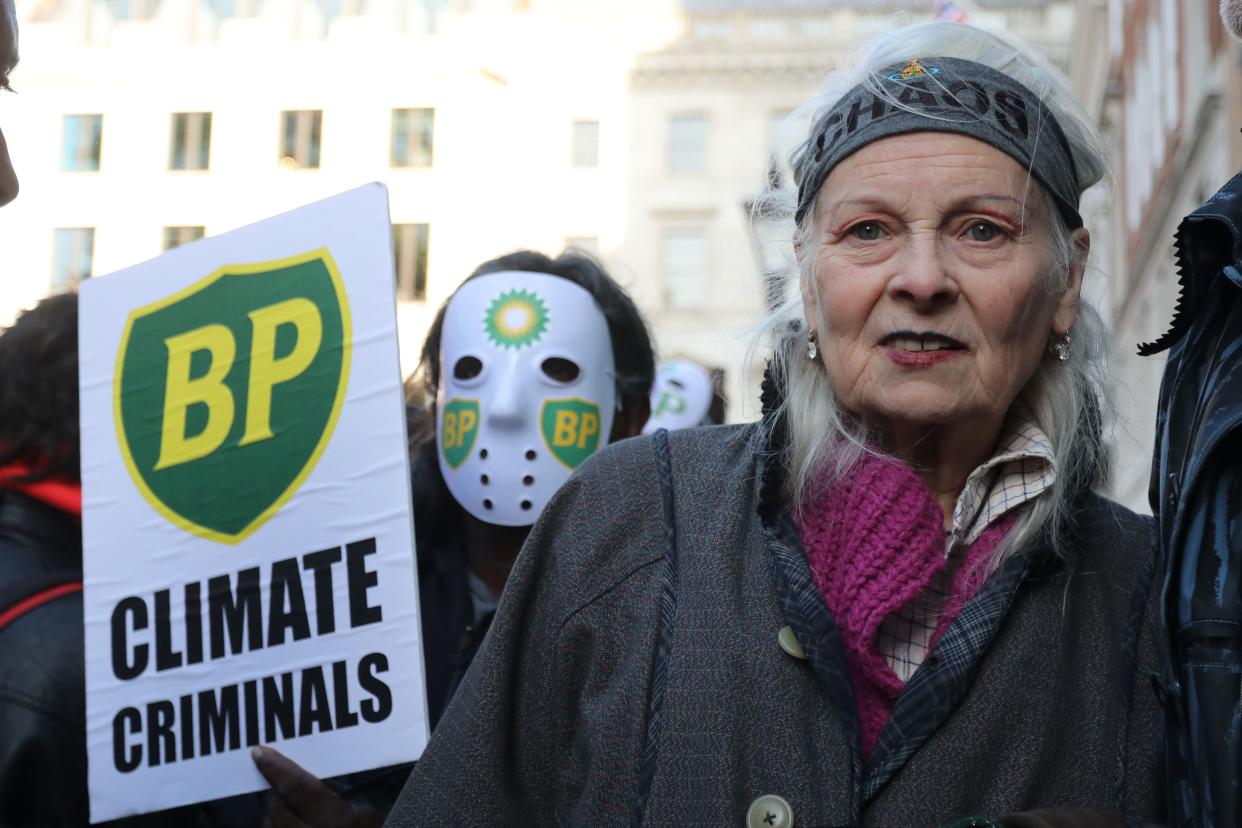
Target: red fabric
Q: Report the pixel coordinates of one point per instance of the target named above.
(874, 544)
(59, 493)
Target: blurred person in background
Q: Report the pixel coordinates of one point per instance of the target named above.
(501, 340)
(530, 366)
(685, 395)
(897, 599)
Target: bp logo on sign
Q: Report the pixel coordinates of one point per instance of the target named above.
(227, 392)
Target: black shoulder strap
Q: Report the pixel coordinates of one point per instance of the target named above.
(23, 595)
(664, 634)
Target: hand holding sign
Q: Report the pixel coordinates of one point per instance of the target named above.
(300, 800)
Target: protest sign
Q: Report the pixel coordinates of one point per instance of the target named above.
(248, 550)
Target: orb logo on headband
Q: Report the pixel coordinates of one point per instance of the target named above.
(914, 69)
(527, 391)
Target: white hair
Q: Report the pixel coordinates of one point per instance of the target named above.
(1068, 401)
(1231, 16)
(8, 41)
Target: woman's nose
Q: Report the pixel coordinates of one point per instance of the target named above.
(923, 280)
(507, 410)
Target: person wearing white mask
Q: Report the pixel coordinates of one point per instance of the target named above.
(532, 365)
(684, 396)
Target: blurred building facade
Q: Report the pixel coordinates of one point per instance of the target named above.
(637, 130)
(1163, 80)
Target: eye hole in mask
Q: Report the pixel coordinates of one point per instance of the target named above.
(676, 383)
(560, 369)
(468, 367)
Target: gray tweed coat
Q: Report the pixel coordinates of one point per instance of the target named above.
(633, 673)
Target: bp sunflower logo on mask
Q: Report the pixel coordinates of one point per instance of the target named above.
(515, 319)
(226, 393)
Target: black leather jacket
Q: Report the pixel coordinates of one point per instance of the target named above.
(42, 681)
(42, 731)
(1196, 492)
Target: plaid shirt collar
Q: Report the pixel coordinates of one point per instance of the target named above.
(1021, 469)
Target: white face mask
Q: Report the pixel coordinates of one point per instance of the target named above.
(681, 396)
(527, 391)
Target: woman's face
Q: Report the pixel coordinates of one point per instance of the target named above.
(930, 293)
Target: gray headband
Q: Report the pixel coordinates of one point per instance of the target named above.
(945, 95)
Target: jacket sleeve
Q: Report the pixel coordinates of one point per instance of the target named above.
(559, 688)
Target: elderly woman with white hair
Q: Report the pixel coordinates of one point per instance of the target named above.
(896, 600)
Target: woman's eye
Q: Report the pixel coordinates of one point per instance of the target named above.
(983, 231)
(868, 231)
(467, 367)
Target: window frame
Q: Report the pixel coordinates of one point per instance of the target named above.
(71, 280)
(668, 234)
(78, 118)
(203, 142)
(577, 158)
(673, 152)
(414, 139)
(197, 231)
(411, 286)
(289, 149)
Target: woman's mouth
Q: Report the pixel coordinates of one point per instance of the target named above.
(915, 349)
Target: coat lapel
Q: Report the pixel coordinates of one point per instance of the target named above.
(816, 631)
(943, 679)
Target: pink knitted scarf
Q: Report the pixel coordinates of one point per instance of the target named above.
(874, 542)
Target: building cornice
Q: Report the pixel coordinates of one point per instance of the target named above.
(728, 68)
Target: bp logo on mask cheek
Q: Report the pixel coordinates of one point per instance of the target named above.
(458, 428)
(670, 403)
(227, 392)
(571, 430)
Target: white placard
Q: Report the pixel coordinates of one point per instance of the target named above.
(248, 551)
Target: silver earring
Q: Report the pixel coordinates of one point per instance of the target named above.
(812, 350)
(1061, 349)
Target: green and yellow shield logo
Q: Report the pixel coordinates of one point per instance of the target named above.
(458, 429)
(670, 403)
(227, 392)
(570, 430)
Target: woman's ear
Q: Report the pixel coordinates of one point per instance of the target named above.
(810, 299)
(1067, 307)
